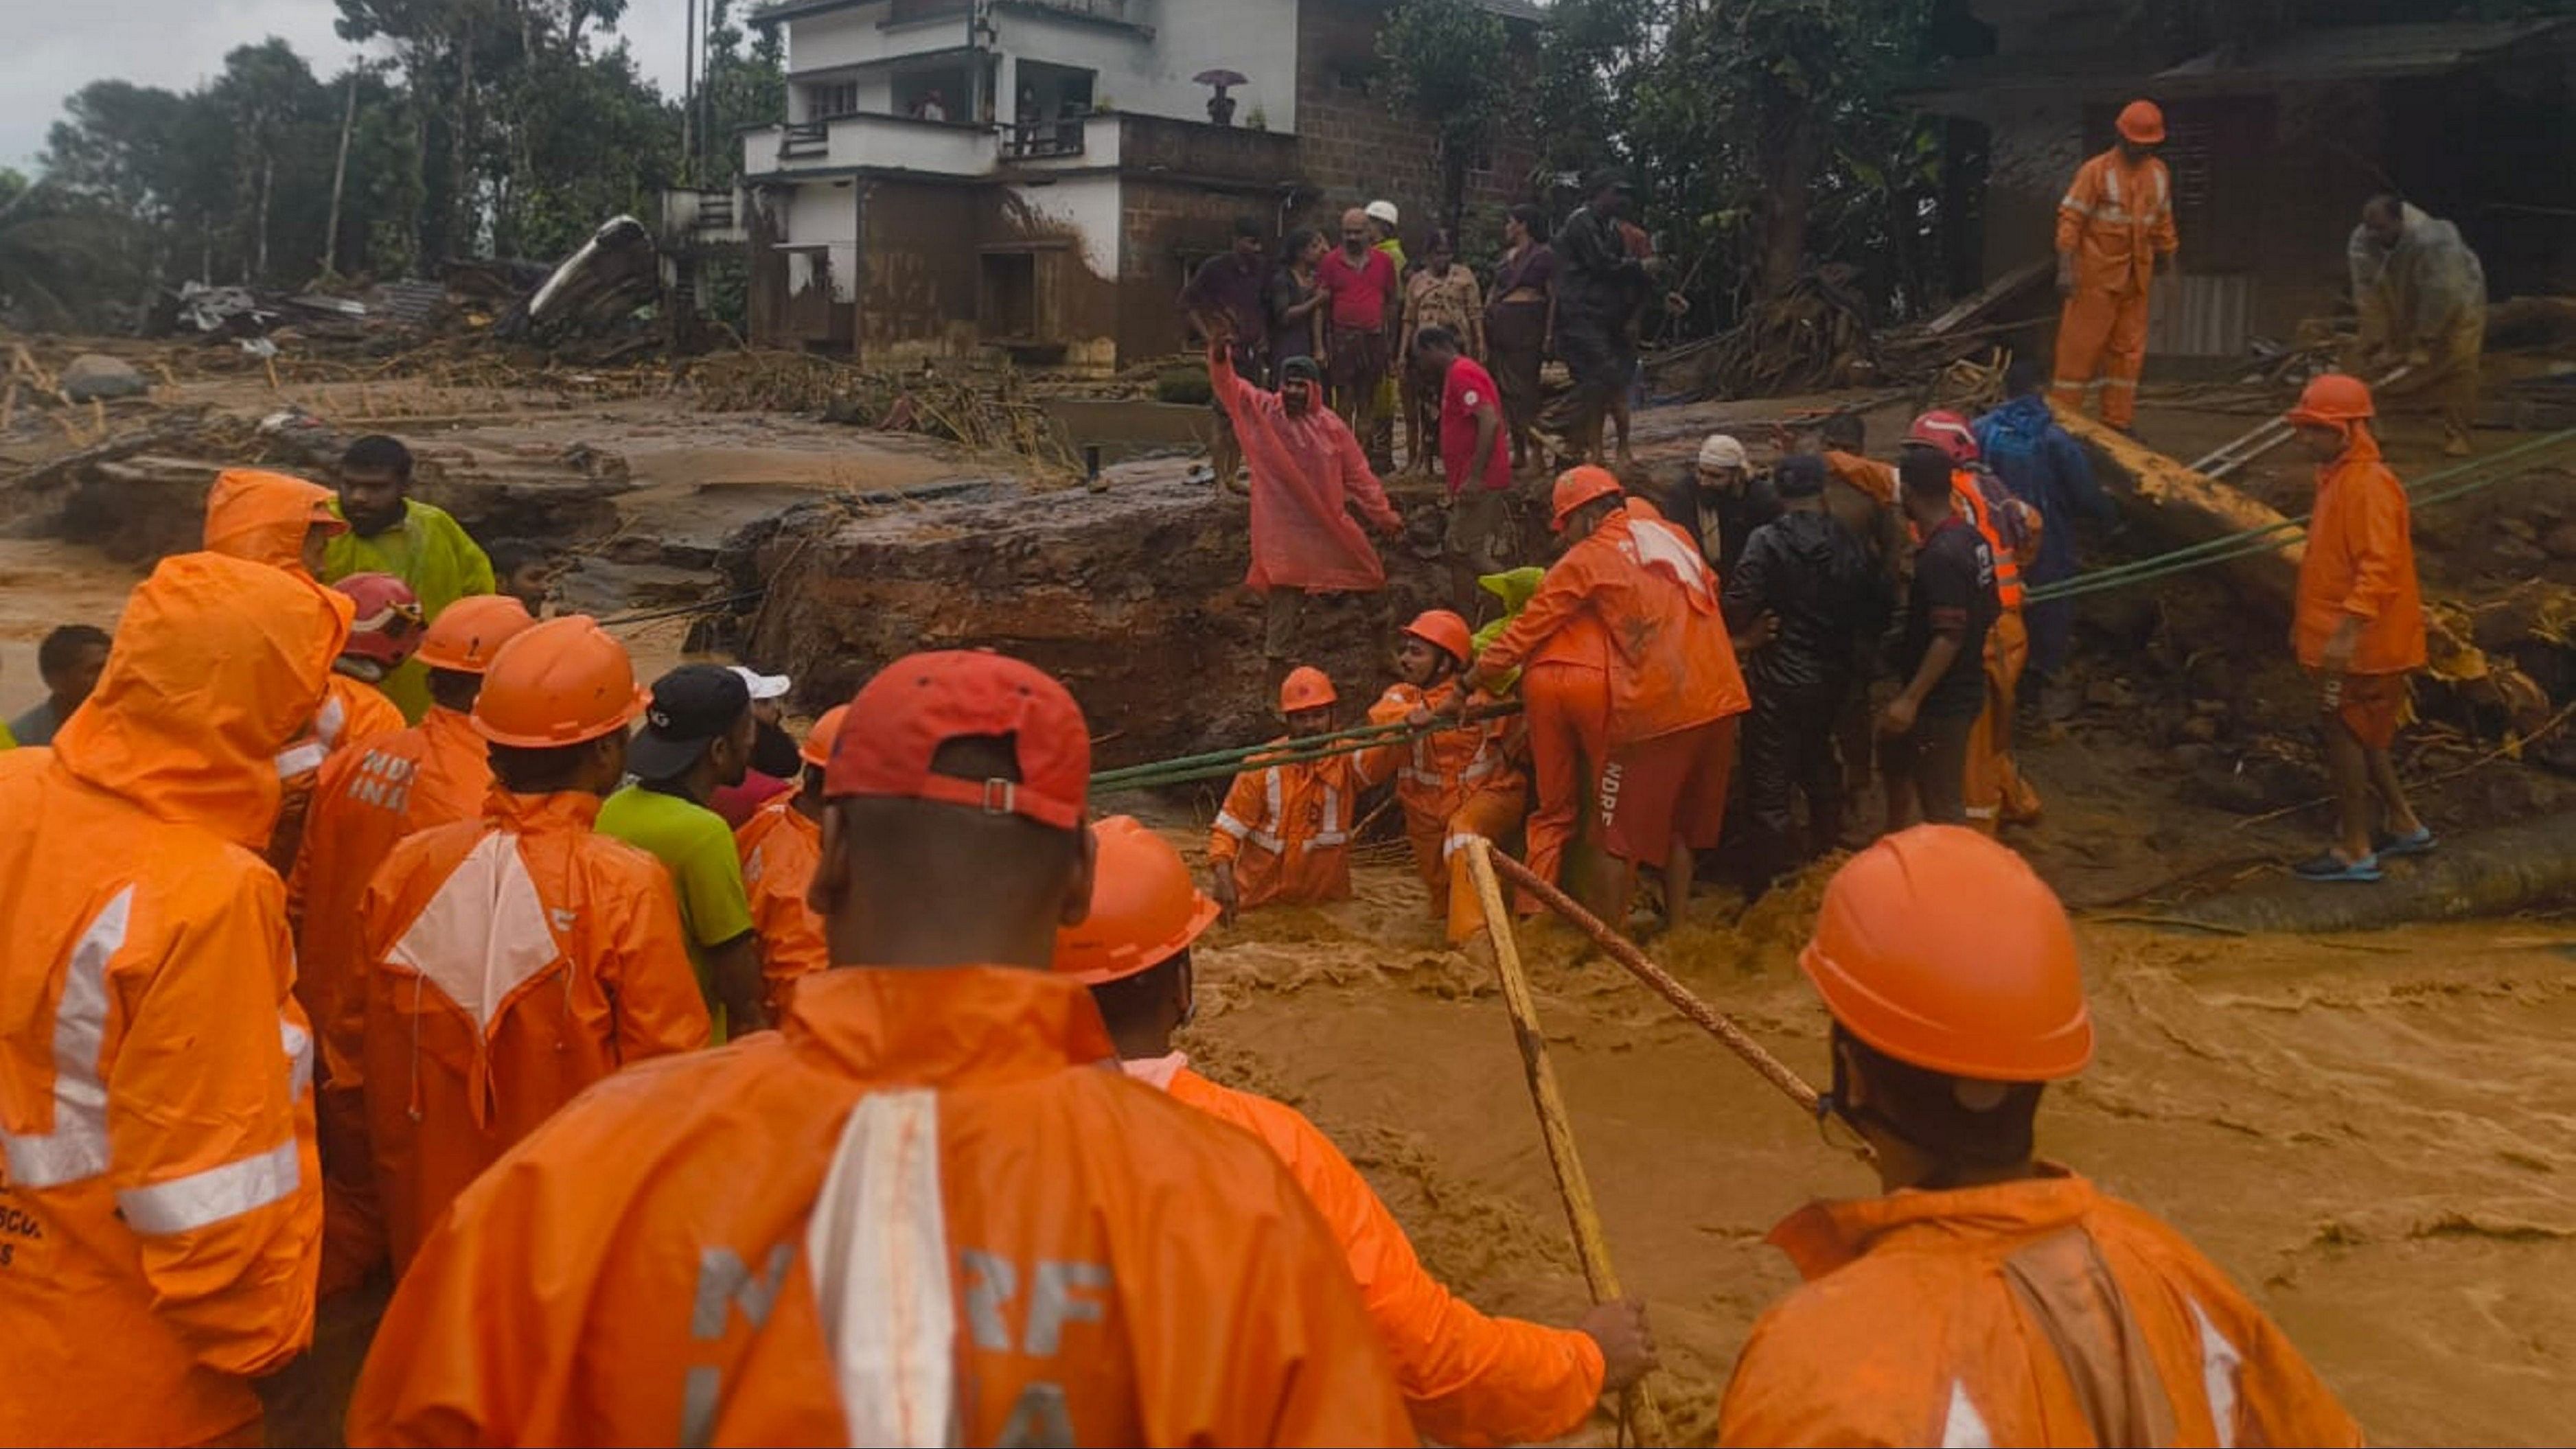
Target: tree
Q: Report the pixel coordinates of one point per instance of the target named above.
(57, 254)
(1444, 64)
(741, 88)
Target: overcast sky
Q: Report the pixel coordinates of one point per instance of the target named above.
(177, 43)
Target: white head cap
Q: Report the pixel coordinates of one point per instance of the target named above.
(1721, 451)
(1382, 211)
(762, 686)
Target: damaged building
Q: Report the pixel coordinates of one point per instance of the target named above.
(1037, 177)
(2274, 143)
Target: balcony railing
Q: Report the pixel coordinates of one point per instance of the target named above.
(804, 138)
(1043, 140)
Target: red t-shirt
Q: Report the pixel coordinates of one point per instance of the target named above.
(1360, 293)
(1469, 388)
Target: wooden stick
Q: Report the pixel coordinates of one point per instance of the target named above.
(1709, 1018)
(1645, 1418)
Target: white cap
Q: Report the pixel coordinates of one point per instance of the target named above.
(762, 686)
(1382, 211)
(1721, 451)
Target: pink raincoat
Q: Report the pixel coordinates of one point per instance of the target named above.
(1306, 473)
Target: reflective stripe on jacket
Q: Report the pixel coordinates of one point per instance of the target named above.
(160, 1212)
(2117, 218)
(2036, 1312)
(1287, 828)
(512, 961)
(1437, 771)
(1055, 1254)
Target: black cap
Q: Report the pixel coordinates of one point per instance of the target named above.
(1799, 475)
(693, 706)
(1305, 367)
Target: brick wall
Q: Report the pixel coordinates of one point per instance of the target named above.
(1166, 228)
(1354, 149)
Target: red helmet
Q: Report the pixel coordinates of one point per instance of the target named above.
(1144, 908)
(387, 628)
(1443, 629)
(1305, 688)
(1948, 432)
(1941, 948)
(2142, 123)
(2333, 400)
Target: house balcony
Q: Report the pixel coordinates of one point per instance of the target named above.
(844, 144)
(694, 216)
(1131, 144)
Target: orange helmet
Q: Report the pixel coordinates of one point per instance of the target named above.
(562, 682)
(1946, 432)
(817, 749)
(1144, 907)
(2142, 123)
(1578, 486)
(385, 628)
(1941, 948)
(463, 639)
(2333, 400)
(1443, 629)
(1305, 688)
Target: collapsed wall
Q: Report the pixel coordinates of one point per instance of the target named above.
(1133, 597)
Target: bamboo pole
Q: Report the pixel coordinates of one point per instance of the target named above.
(1707, 1017)
(1645, 1417)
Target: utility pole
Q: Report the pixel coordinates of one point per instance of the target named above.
(340, 176)
(689, 94)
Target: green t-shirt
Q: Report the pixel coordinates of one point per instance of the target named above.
(434, 554)
(696, 847)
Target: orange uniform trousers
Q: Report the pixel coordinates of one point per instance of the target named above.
(2102, 337)
(1440, 853)
(1994, 788)
(1569, 735)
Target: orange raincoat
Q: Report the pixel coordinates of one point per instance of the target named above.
(1994, 788)
(2116, 219)
(353, 712)
(1470, 1380)
(1044, 1252)
(1455, 785)
(1672, 663)
(780, 849)
(1287, 828)
(262, 516)
(2034, 1312)
(364, 801)
(513, 961)
(161, 1212)
(2361, 563)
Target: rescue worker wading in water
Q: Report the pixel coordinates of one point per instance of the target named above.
(919, 1213)
(1468, 1379)
(1990, 1297)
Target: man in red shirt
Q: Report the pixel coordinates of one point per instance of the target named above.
(1361, 281)
(1475, 449)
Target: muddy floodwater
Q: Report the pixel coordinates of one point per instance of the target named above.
(2375, 1134)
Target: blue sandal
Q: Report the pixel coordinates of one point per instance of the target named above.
(2328, 866)
(2418, 841)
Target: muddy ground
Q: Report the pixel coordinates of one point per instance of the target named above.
(2371, 1132)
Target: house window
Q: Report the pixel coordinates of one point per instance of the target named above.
(1010, 297)
(826, 99)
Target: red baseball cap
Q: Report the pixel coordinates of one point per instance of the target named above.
(898, 720)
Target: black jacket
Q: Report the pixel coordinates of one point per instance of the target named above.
(1832, 603)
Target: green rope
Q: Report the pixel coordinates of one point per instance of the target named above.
(1225, 764)
(2260, 540)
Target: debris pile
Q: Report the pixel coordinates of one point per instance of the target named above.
(1817, 336)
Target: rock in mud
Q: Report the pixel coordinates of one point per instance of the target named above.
(1133, 597)
(94, 375)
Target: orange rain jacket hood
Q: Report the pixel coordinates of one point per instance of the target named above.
(1642, 580)
(512, 961)
(779, 849)
(928, 1210)
(262, 516)
(1470, 1380)
(161, 1210)
(2034, 1312)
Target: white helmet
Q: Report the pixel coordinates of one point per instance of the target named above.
(1381, 211)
